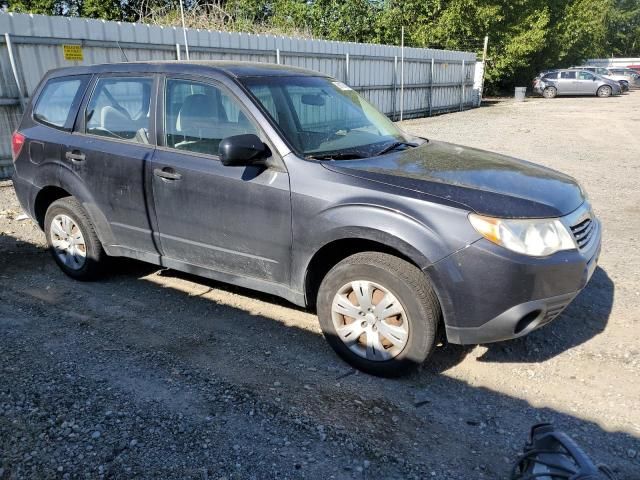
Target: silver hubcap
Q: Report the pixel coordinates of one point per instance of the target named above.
(67, 242)
(604, 92)
(370, 320)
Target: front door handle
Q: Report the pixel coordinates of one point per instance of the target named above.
(167, 173)
(75, 156)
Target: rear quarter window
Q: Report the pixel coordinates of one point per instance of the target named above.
(58, 101)
(551, 76)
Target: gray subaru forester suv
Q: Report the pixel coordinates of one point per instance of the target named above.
(287, 181)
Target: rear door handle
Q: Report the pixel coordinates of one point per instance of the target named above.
(167, 173)
(75, 156)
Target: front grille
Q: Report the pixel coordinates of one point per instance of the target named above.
(583, 231)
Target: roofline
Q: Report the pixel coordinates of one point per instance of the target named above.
(227, 68)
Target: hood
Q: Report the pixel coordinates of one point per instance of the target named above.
(484, 182)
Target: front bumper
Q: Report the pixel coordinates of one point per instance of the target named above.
(489, 293)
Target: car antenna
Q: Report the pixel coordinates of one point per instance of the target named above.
(122, 52)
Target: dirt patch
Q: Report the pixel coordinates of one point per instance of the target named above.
(158, 374)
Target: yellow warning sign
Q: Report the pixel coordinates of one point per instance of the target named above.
(72, 52)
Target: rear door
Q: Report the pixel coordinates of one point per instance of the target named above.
(567, 83)
(112, 141)
(235, 220)
(49, 126)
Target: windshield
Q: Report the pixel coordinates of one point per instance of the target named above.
(324, 118)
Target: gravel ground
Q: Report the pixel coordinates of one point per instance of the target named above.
(157, 374)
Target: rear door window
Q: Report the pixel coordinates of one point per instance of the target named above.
(58, 101)
(120, 108)
(568, 75)
(551, 76)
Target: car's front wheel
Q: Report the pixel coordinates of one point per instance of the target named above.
(604, 91)
(72, 239)
(379, 313)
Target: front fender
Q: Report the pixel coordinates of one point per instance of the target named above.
(423, 240)
(385, 225)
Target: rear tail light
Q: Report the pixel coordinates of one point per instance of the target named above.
(17, 142)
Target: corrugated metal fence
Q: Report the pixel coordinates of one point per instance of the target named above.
(435, 81)
(621, 62)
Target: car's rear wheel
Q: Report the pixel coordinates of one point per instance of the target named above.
(72, 239)
(379, 313)
(550, 92)
(604, 91)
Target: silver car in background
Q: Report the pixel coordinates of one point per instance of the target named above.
(575, 82)
(627, 74)
(624, 78)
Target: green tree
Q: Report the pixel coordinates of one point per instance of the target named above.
(104, 9)
(525, 36)
(624, 29)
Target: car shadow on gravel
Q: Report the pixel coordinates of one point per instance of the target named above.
(586, 317)
(126, 267)
(173, 360)
(128, 357)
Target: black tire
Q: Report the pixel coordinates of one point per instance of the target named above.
(604, 91)
(550, 92)
(95, 255)
(413, 291)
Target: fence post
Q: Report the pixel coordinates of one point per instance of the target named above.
(431, 86)
(277, 56)
(484, 61)
(178, 51)
(14, 69)
(402, 75)
(395, 87)
(346, 68)
(184, 32)
(462, 82)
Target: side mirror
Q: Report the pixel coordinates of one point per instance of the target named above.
(242, 150)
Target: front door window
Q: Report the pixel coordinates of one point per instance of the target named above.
(198, 116)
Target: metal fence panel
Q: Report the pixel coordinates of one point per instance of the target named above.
(435, 80)
(621, 62)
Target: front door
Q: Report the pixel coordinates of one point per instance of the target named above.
(235, 220)
(586, 83)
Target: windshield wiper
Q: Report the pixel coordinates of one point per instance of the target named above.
(393, 146)
(337, 156)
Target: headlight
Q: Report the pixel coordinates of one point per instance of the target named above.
(536, 237)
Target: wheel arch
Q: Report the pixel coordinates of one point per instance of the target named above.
(55, 183)
(44, 198)
(337, 249)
